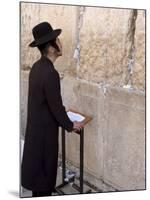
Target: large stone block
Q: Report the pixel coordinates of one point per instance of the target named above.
(124, 141)
(103, 42)
(75, 96)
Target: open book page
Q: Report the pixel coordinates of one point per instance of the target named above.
(75, 116)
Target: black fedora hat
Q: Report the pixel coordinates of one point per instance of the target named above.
(43, 33)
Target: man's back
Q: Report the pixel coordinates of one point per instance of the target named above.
(38, 109)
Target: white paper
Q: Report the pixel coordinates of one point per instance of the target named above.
(75, 116)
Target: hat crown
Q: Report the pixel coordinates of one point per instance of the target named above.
(42, 33)
(41, 30)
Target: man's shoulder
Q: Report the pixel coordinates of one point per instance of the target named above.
(43, 66)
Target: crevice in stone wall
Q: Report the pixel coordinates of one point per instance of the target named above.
(80, 15)
(130, 50)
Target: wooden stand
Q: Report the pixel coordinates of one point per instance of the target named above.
(81, 134)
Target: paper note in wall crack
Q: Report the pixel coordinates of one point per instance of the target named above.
(75, 116)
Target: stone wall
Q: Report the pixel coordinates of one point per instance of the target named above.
(115, 138)
(106, 81)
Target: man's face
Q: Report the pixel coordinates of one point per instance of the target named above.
(58, 42)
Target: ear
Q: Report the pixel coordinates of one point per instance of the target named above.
(51, 49)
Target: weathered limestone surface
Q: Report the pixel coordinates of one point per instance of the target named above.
(106, 46)
(139, 67)
(124, 139)
(29, 18)
(115, 138)
(24, 75)
(103, 42)
(63, 17)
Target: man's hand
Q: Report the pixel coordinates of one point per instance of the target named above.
(77, 126)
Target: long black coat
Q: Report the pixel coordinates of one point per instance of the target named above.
(45, 114)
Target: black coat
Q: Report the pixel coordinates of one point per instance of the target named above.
(45, 114)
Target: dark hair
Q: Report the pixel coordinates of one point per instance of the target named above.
(43, 48)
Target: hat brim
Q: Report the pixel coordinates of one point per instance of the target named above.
(44, 39)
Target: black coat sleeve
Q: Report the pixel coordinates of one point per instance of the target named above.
(54, 99)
